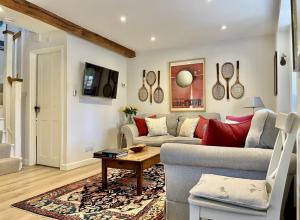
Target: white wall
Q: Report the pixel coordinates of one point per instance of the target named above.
(91, 121)
(256, 72)
(1, 65)
(283, 45)
(31, 42)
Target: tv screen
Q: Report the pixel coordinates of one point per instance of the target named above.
(100, 81)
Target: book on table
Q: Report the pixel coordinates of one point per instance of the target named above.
(111, 153)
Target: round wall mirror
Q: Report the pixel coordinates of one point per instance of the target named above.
(184, 78)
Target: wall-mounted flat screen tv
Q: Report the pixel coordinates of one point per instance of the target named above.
(100, 81)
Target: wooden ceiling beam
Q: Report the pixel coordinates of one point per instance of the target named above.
(48, 17)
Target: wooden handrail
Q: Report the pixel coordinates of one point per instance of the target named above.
(17, 35)
(12, 79)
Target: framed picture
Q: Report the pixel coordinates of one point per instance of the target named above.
(275, 74)
(295, 10)
(187, 85)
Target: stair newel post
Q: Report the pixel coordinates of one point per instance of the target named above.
(17, 99)
(8, 69)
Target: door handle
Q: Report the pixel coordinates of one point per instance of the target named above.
(37, 109)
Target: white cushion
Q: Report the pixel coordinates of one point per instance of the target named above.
(156, 126)
(262, 133)
(188, 127)
(242, 192)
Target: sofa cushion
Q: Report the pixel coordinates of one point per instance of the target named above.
(262, 133)
(250, 194)
(156, 141)
(141, 125)
(239, 118)
(201, 127)
(188, 127)
(204, 114)
(227, 135)
(184, 140)
(172, 122)
(156, 126)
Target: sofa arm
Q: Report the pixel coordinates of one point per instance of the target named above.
(130, 132)
(250, 159)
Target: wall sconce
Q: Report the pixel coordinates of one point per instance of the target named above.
(283, 60)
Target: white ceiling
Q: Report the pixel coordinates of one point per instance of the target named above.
(25, 22)
(174, 23)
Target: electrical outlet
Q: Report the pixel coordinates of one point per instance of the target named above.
(89, 148)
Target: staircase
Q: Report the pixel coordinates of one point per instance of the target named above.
(10, 106)
(8, 164)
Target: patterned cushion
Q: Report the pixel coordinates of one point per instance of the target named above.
(188, 127)
(157, 127)
(242, 192)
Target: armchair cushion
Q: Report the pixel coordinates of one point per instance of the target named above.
(243, 192)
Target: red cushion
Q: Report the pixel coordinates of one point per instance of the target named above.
(141, 125)
(239, 118)
(229, 135)
(201, 127)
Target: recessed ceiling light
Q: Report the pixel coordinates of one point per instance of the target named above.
(123, 19)
(224, 27)
(153, 38)
(1, 9)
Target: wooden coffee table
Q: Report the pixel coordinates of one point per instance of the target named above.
(133, 161)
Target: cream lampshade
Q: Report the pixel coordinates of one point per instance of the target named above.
(253, 102)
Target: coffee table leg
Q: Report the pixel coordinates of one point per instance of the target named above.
(104, 175)
(139, 179)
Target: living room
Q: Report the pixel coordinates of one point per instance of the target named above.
(172, 61)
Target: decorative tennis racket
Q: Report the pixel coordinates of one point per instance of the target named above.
(227, 73)
(143, 92)
(158, 92)
(218, 90)
(151, 79)
(237, 89)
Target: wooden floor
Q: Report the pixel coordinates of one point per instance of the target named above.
(32, 181)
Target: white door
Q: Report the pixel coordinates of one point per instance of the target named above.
(48, 121)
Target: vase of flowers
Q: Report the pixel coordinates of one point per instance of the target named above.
(129, 112)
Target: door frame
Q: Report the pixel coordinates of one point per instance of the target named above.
(32, 102)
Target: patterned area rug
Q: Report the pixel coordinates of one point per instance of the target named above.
(86, 200)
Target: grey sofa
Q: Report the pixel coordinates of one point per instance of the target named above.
(174, 121)
(184, 165)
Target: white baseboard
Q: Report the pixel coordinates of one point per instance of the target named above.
(82, 163)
